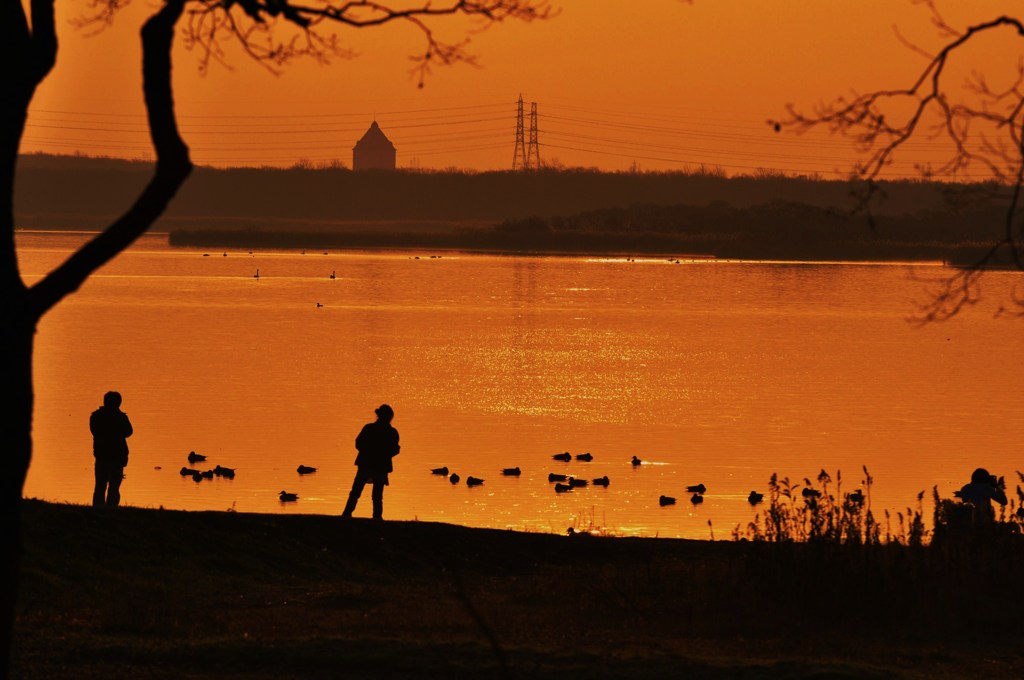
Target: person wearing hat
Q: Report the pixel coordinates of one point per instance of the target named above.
(377, 444)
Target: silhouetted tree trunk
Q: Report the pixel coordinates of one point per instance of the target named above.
(26, 59)
(29, 56)
(28, 50)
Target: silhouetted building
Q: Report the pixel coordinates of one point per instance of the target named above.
(374, 151)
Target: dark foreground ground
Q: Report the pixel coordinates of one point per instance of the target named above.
(146, 594)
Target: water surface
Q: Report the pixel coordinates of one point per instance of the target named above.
(719, 373)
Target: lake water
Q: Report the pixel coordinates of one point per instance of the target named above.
(719, 373)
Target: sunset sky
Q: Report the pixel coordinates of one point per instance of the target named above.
(657, 85)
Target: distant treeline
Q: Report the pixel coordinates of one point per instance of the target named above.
(55, 192)
(776, 230)
(759, 216)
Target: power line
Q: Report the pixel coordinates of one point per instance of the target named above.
(185, 130)
(289, 116)
(659, 138)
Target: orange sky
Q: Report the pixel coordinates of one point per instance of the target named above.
(664, 84)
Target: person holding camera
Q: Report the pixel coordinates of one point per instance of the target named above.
(110, 429)
(980, 492)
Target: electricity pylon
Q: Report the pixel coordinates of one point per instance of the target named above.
(519, 160)
(533, 150)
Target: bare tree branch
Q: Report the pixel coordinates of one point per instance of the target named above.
(913, 47)
(44, 39)
(868, 120)
(28, 56)
(275, 32)
(172, 168)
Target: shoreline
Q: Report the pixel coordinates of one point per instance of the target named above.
(584, 244)
(778, 233)
(668, 256)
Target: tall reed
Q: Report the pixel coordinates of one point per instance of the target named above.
(819, 511)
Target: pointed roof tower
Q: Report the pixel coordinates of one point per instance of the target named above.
(373, 151)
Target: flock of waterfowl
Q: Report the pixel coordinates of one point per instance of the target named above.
(333, 276)
(200, 475)
(564, 482)
(229, 473)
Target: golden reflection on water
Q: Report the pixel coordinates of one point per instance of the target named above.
(714, 373)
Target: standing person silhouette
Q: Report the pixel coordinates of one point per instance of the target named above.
(377, 444)
(110, 429)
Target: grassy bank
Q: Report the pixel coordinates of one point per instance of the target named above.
(170, 594)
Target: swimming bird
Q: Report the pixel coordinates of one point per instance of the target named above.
(197, 476)
(696, 499)
(474, 481)
(288, 497)
(221, 471)
(754, 498)
(440, 471)
(257, 274)
(454, 479)
(207, 474)
(562, 488)
(305, 470)
(512, 472)
(332, 274)
(601, 481)
(635, 461)
(194, 457)
(585, 456)
(697, 488)
(319, 305)
(666, 500)
(573, 482)
(552, 477)
(563, 456)
(188, 472)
